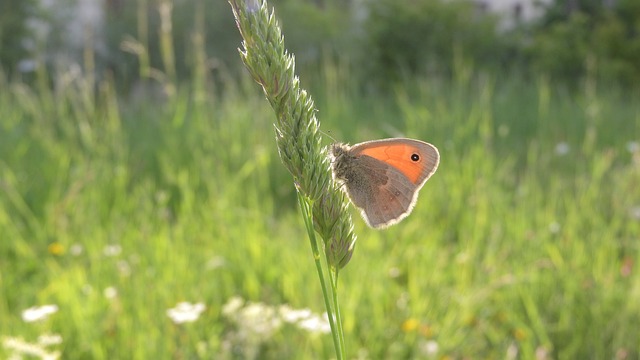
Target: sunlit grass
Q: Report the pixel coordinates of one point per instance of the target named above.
(122, 211)
(514, 247)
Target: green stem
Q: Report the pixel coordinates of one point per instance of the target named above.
(323, 205)
(333, 275)
(334, 319)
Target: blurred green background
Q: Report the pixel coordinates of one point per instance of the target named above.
(138, 171)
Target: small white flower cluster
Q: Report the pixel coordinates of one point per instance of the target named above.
(20, 348)
(264, 319)
(110, 292)
(256, 322)
(305, 319)
(37, 313)
(185, 312)
(254, 319)
(429, 347)
(112, 250)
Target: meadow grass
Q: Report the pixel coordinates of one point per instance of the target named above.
(522, 245)
(524, 242)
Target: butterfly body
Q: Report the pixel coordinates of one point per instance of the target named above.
(382, 177)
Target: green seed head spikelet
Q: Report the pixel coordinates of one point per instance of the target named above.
(296, 126)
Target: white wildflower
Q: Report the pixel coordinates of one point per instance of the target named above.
(185, 312)
(305, 319)
(76, 249)
(260, 318)
(112, 250)
(110, 292)
(36, 313)
(291, 315)
(232, 306)
(429, 347)
(20, 347)
(315, 324)
(49, 339)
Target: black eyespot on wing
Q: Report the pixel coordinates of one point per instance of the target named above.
(415, 157)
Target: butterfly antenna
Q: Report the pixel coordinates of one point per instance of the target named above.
(328, 134)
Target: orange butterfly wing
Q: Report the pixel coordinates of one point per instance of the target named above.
(415, 159)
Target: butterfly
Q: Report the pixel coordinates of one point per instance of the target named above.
(382, 177)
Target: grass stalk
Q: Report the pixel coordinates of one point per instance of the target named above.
(143, 39)
(323, 205)
(332, 305)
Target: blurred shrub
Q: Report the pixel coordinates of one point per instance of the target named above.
(124, 21)
(311, 29)
(314, 29)
(594, 38)
(417, 36)
(383, 40)
(14, 31)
